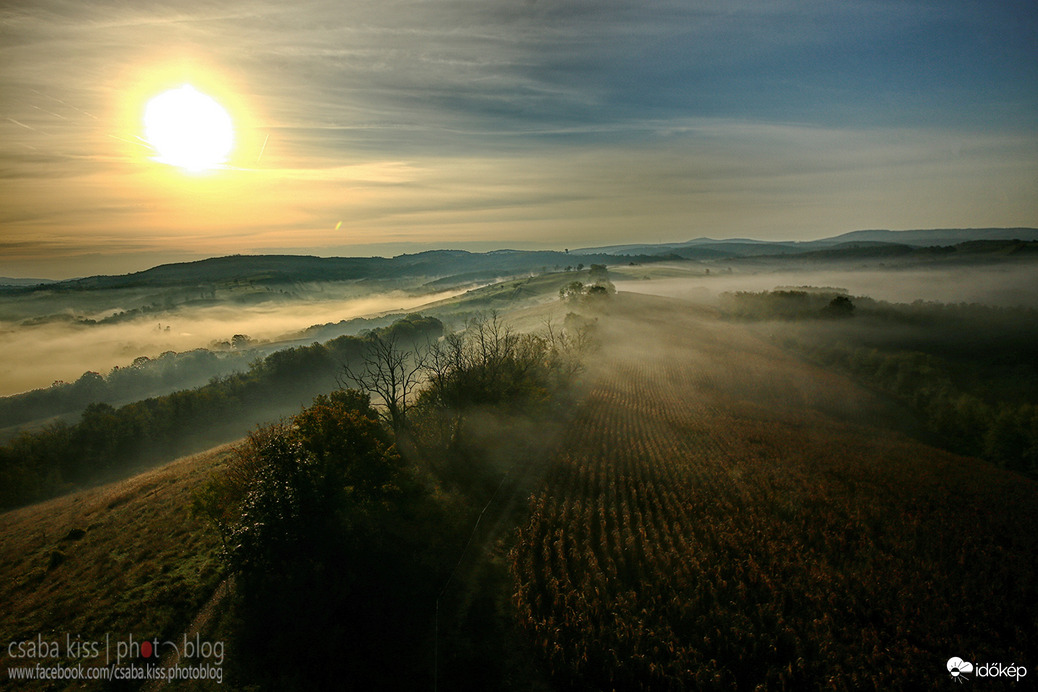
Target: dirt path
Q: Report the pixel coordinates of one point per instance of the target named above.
(198, 626)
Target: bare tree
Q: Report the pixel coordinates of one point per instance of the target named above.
(480, 365)
(389, 372)
(444, 360)
(568, 346)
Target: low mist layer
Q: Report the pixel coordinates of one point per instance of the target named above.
(1002, 285)
(37, 355)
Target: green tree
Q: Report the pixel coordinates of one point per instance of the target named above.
(572, 290)
(598, 272)
(334, 545)
(840, 306)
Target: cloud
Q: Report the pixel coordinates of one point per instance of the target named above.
(707, 177)
(548, 121)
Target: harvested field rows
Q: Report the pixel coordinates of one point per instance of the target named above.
(722, 516)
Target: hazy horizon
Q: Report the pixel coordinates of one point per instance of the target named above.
(547, 124)
(38, 353)
(132, 264)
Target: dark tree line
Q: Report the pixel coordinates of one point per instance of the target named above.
(491, 364)
(142, 378)
(968, 371)
(789, 304)
(1004, 432)
(108, 442)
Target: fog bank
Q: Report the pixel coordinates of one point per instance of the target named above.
(35, 356)
(1002, 285)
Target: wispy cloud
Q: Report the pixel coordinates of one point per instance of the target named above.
(555, 121)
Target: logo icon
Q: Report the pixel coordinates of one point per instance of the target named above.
(958, 668)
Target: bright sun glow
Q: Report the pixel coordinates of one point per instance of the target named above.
(188, 129)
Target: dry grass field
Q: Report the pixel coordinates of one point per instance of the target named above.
(122, 559)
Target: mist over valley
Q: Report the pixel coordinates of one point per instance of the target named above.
(1005, 285)
(566, 453)
(65, 346)
(545, 346)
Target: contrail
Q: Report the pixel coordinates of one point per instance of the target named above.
(44, 110)
(263, 148)
(67, 105)
(23, 125)
(139, 142)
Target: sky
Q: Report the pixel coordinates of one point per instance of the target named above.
(381, 127)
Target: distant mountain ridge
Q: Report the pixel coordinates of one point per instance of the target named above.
(432, 265)
(13, 281)
(711, 248)
(444, 267)
(936, 236)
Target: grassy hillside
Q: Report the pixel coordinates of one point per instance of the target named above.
(122, 559)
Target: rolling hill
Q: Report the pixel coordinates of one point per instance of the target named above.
(440, 268)
(848, 243)
(935, 236)
(718, 515)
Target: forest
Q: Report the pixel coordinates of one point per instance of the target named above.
(142, 378)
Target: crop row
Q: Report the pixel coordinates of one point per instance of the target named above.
(678, 545)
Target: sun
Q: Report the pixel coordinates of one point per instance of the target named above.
(188, 129)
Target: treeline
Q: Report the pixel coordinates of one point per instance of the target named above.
(109, 441)
(967, 370)
(788, 304)
(144, 377)
(1003, 432)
